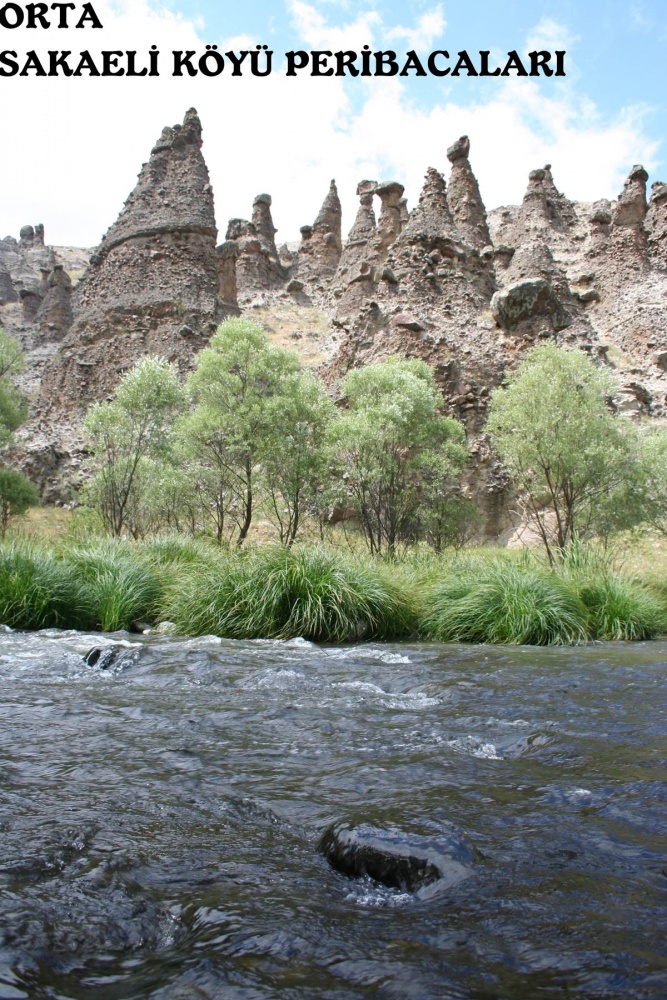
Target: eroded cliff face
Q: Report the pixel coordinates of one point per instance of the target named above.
(466, 290)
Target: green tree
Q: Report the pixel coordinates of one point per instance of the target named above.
(234, 387)
(135, 427)
(647, 495)
(389, 445)
(567, 453)
(16, 494)
(294, 459)
(13, 408)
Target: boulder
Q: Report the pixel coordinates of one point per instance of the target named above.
(399, 860)
(525, 300)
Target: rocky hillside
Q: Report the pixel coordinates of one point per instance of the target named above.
(468, 291)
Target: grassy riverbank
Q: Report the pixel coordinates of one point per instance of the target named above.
(320, 594)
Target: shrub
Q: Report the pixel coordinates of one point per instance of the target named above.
(16, 494)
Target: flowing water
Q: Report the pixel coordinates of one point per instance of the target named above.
(160, 819)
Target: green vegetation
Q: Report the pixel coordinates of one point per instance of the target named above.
(649, 491)
(244, 392)
(253, 433)
(254, 438)
(573, 462)
(38, 590)
(126, 435)
(396, 460)
(319, 594)
(506, 604)
(17, 494)
(117, 588)
(12, 405)
(276, 594)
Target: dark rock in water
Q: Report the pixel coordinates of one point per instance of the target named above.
(399, 860)
(140, 628)
(104, 656)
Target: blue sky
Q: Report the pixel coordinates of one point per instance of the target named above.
(79, 143)
(617, 52)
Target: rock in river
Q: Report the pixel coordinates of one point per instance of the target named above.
(406, 861)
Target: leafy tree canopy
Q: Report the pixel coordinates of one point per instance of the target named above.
(565, 449)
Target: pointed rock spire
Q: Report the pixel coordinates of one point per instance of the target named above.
(258, 266)
(173, 192)
(561, 208)
(321, 247)
(389, 223)
(465, 200)
(152, 285)
(534, 207)
(432, 217)
(365, 223)
(355, 251)
(329, 217)
(263, 222)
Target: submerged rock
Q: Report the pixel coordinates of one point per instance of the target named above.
(406, 861)
(104, 657)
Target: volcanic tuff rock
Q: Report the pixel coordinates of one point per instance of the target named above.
(320, 250)
(465, 200)
(258, 264)
(154, 283)
(466, 290)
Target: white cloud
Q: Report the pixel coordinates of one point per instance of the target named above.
(429, 27)
(77, 145)
(551, 35)
(316, 33)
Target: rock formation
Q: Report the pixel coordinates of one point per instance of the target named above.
(411, 287)
(466, 290)
(656, 224)
(25, 265)
(153, 285)
(465, 201)
(54, 316)
(258, 264)
(354, 269)
(320, 250)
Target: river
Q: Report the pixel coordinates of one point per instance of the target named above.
(160, 820)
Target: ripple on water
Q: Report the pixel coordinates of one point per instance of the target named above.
(159, 827)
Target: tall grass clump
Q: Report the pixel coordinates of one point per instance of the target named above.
(173, 550)
(118, 586)
(506, 604)
(38, 591)
(280, 594)
(620, 608)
